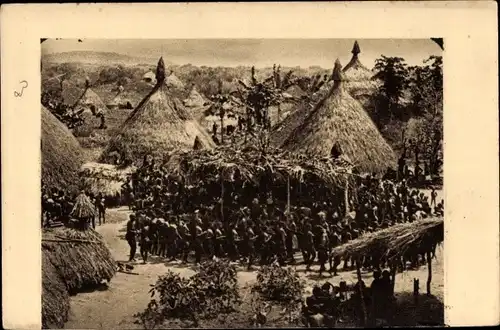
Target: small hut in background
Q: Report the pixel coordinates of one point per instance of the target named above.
(339, 118)
(61, 154)
(90, 102)
(173, 82)
(159, 124)
(149, 77)
(358, 77)
(194, 99)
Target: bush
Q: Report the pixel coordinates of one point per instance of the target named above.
(83, 131)
(281, 285)
(205, 295)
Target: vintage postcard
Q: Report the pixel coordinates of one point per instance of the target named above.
(250, 165)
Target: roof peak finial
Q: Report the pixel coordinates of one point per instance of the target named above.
(160, 71)
(355, 49)
(337, 71)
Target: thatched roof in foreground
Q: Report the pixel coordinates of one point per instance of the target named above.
(55, 296)
(158, 125)
(72, 260)
(339, 118)
(61, 154)
(250, 164)
(395, 241)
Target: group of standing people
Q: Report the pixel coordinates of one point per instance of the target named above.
(166, 222)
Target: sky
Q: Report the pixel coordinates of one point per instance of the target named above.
(258, 52)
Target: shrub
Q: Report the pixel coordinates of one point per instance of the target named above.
(205, 295)
(281, 285)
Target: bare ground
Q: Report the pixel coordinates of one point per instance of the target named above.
(127, 294)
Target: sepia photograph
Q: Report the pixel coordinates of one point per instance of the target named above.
(242, 183)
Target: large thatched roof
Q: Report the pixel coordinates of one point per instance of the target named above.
(61, 154)
(158, 125)
(339, 118)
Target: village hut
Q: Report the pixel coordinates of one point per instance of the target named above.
(149, 77)
(72, 261)
(88, 101)
(339, 118)
(120, 102)
(61, 154)
(173, 81)
(358, 77)
(158, 125)
(194, 99)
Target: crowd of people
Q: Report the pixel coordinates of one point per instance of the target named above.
(172, 222)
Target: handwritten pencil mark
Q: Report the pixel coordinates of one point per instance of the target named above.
(19, 94)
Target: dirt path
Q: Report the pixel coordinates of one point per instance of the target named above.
(128, 294)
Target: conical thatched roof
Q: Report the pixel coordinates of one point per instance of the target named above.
(61, 154)
(355, 70)
(339, 118)
(88, 98)
(159, 124)
(173, 81)
(194, 99)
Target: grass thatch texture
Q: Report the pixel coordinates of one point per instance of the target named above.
(81, 258)
(61, 154)
(395, 241)
(105, 179)
(88, 98)
(159, 124)
(250, 164)
(83, 208)
(339, 118)
(55, 296)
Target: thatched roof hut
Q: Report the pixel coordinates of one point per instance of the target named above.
(339, 118)
(355, 70)
(358, 77)
(83, 208)
(88, 99)
(194, 99)
(158, 125)
(395, 241)
(120, 102)
(173, 81)
(149, 77)
(72, 261)
(61, 154)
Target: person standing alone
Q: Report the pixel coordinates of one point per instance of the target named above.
(130, 236)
